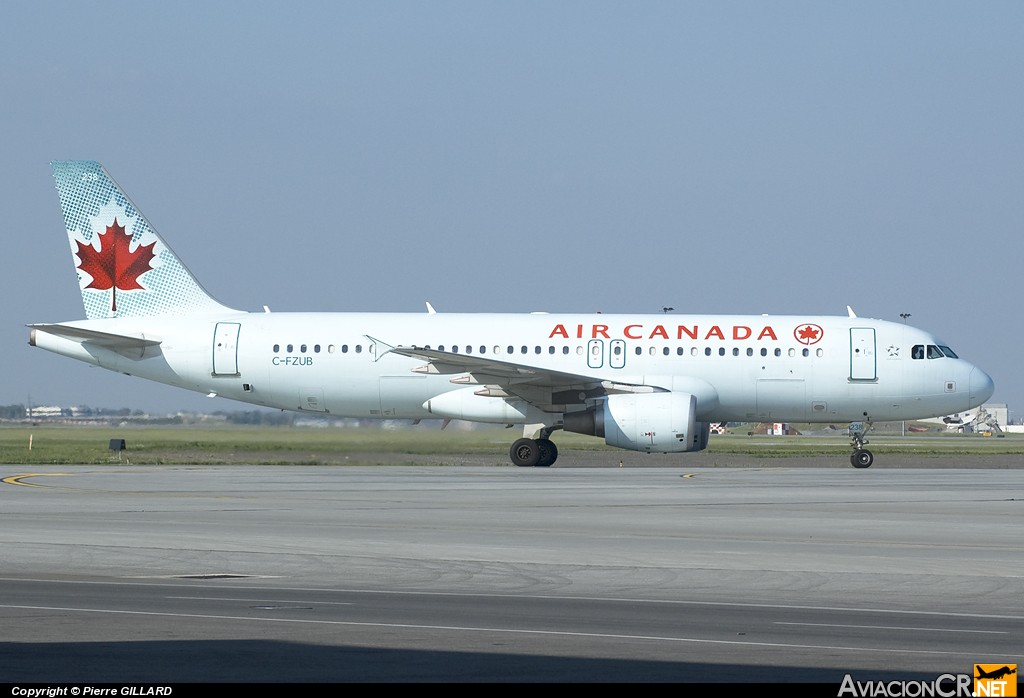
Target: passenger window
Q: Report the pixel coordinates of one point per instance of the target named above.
(707, 351)
(536, 349)
(639, 351)
(277, 348)
(483, 349)
(359, 348)
(764, 352)
(778, 352)
(303, 349)
(665, 351)
(469, 349)
(330, 348)
(551, 350)
(807, 352)
(455, 349)
(721, 351)
(565, 349)
(289, 348)
(524, 349)
(344, 348)
(735, 351)
(316, 348)
(680, 351)
(750, 351)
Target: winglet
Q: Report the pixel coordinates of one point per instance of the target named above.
(850, 311)
(430, 309)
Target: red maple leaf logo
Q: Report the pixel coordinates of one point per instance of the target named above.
(808, 334)
(116, 265)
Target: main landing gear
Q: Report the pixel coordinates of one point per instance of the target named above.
(529, 453)
(861, 457)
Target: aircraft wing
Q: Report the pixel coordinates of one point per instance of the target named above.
(542, 387)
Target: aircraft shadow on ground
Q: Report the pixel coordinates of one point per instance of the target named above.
(270, 661)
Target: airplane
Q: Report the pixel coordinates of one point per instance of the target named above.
(996, 674)
(651, 383)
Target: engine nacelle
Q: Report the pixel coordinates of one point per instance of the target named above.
(650, 422)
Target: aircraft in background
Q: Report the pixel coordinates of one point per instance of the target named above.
(650, 383)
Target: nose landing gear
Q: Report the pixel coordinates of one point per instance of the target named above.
(861, 457)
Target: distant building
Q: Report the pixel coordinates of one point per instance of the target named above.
(44, 411)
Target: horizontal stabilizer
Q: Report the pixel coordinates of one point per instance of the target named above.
(104, 339)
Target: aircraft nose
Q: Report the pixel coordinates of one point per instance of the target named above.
(981, 387)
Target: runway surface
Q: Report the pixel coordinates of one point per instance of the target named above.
(325, 574)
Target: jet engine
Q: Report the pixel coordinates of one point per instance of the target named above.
(650, 422)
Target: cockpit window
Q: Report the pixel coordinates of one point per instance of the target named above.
(931, 351)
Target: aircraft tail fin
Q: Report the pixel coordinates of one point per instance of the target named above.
(125, 269)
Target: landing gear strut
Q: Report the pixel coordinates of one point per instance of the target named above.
(529, 453)
(861, 457)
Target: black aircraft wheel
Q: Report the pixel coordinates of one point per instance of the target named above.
(525, 453)
(862, 458)
(548, 453)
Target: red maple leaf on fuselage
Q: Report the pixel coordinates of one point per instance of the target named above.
(116, 265)
(808, 332)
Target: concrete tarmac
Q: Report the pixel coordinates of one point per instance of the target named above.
(774, 572)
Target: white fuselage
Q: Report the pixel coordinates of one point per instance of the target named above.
(740, 368)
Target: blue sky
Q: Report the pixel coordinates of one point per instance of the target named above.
(719, 157)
